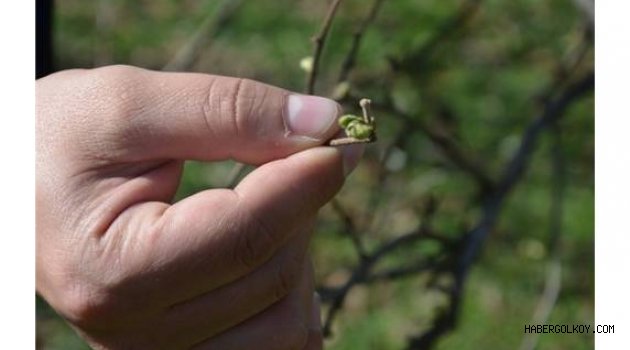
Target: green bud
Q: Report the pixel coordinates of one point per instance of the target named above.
(306, 64)
(346, 119)
(360, 130)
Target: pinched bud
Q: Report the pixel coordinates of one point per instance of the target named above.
(360, 130)
(345, 120)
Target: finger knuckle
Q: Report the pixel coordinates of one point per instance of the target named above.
(91, 101)
(254, 244)
(248, 97)
(249, 101)
(288, 275)
(118, 87)
(115, 95)
(224, 102)
(86, 305)
(246, 252)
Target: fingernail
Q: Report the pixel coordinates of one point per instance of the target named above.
(351, 156)
(316, 316)
(310, 116)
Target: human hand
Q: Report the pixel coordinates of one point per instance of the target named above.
(222, 269)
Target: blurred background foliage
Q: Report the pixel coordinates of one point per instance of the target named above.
(480, 86)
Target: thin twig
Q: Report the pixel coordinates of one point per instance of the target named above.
(461, 159)
(350, 60)
(382, 174)
(319, 41)
(349, 228)
(464, 160)
(553, 111)
(407, 270)
(361, 274)
(473, 240)
(188, 54)
(569, 65)
(358, 275)
(349, 141)
(459, 254)
(466, 249)
(414, 61)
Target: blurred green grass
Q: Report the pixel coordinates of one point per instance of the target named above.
(488, 75)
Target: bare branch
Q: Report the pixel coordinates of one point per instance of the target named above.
(407, 270)
(339, 296)
(349, 228)
(553, 111)
(458, 254)
(361, 274)
(515, 169)
(447, 146)
(350, 60)
(319, 41)
(414, 61)
(473, 240)
(444, 322)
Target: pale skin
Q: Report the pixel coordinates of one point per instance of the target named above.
(222, 269)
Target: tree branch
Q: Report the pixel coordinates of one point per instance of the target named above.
(472, 241)
(349, 227)
(361, 274)
(407, 270)
(457, 255)
(319, 41)
(447, 146)
(414, 61)
(350, 60)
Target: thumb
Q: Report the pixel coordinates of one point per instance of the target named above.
(216, 236)
(207, 117)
